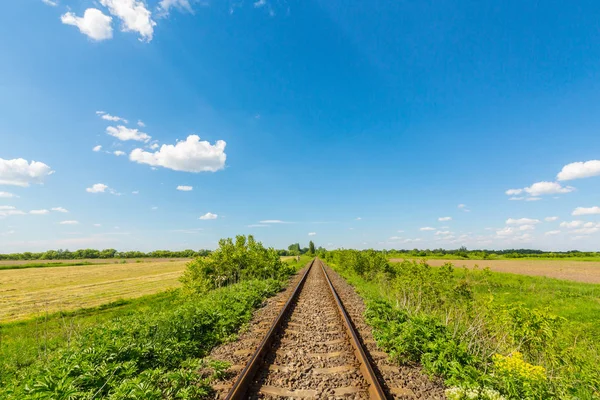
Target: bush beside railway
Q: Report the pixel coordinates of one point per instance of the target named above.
(482, 348)
(157, 355)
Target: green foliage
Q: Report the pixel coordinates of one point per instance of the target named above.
(145, 355)
(104, 254)
(311, 248)
(464, 326)
(232, 262)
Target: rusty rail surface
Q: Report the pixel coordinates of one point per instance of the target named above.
(241, 385)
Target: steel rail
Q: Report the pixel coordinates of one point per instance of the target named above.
(375, 390)
(241, 385)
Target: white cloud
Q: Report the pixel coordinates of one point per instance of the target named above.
(7, 195)
(260, 3)
(445, 219)
(134, 16)
(587, 231)
(506, 231)
(97, 148)
(6, 211)
(526, 227)
(97, 225)
(539, 189)
(112, 118)
(512, 192)
(71, 222)
(312, 233)
(522, 221)
(6, 208)
(358, 218)
(427, 228)
(258, 226)
(438, 233)
(272, 221)
(209, 216)
(119, 153)
(94, 23)
(50, 3)
(586, 211)
(395, 238)
(39, 212)
(552, 233)
(154, 146)
(101, 188)
(165, 5)
(141, 124)
(572, 224)
(123, 133)
(550, 219)
(578, 170)
(462, 206)
(191, 155)
(185, 188)
(135, 192)
(60, 209)
(19, 172)
(542, 188)
(97, 188)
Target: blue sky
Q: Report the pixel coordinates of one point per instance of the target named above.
(352, 126)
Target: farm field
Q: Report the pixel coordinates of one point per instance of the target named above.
(16, 264)
(32, 292)
(579, 271)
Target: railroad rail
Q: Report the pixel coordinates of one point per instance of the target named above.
(311, 349)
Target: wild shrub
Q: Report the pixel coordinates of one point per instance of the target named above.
(233, 262)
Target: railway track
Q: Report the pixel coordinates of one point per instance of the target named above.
(310, 350)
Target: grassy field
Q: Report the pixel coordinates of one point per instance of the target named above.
(20, 264)
(573, 270)
(26, 293)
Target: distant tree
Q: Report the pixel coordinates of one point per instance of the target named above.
(294, 249)
(311, 248)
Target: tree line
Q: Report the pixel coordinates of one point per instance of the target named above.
(104, 254)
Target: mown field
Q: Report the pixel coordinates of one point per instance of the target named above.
(30, 292)
(574, 270)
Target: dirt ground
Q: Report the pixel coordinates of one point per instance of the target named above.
(35, 291)
(579, 271)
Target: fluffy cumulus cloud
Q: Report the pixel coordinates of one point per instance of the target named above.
(539, 189)
(60, 209)
(141, 124)
(185, 188)
(522, 221)
(578, 170)
(427, 228)
(38, 212)
(7, 195)
(97, 148)
(550, 219)
(208, 216)
(101, 188)
(119, 153)
(572, 224)
(123, 133)
(94, 23)
(191, 155)
(550, 233)
(445, 219)
(19, 172)
(586, 210)
(312, 233)
(134, 16)
(109, 117)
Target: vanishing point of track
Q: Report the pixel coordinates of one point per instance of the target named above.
(311, 349)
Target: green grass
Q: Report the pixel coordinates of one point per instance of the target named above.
(450, 257)
(48, 264)
(24, 342)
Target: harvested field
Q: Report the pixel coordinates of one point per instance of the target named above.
(29, 292)
(579, 271)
